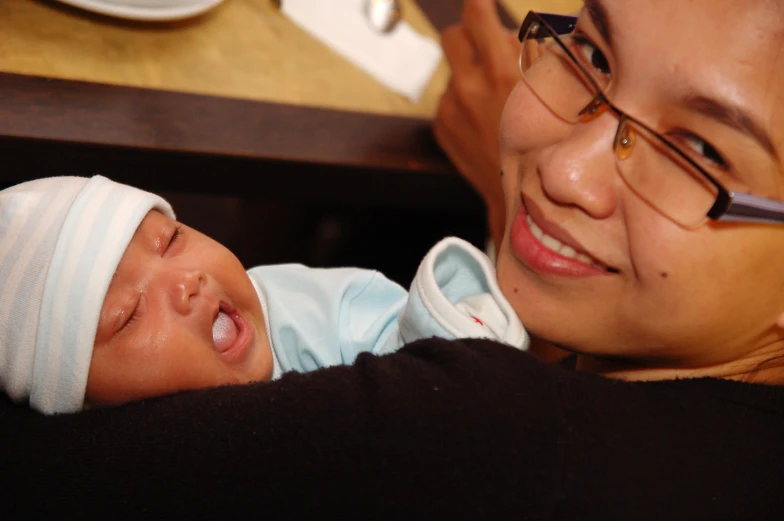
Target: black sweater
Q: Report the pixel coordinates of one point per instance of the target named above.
(441, 430)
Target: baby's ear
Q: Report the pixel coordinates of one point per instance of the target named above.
(780, 321)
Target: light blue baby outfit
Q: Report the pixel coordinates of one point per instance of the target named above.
(62, 238)
(323, 317)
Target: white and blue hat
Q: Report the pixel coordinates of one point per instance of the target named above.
(61, 239)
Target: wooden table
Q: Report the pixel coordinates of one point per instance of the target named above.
(235, 101)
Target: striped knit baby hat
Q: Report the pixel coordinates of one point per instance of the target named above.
(61, 239)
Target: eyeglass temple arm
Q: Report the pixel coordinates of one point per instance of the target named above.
(750, 208)
(560, 23)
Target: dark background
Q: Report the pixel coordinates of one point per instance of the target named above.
(270, 230)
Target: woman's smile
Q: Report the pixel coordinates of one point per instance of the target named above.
(548, 249)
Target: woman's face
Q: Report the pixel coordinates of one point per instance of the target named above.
(700, 72)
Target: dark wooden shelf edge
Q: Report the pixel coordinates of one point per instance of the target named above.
(98, 114)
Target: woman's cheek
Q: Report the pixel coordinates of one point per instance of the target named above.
(509, 124)
(527, 125)
(663, 261)
(517, 119)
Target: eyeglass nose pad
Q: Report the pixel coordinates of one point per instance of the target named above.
(625, 138)
(593, 110)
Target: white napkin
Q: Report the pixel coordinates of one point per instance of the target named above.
(402, 60)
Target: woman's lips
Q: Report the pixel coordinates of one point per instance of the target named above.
(548, 255)
(244, 337)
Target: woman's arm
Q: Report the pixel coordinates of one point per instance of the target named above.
(440, 427)
(462, 429)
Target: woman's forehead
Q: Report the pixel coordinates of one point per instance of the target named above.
(724, 50)
(745, 34)
(699, 16)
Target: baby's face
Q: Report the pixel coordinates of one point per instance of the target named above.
(180, 313)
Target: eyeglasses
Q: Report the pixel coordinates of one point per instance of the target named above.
(657, 170)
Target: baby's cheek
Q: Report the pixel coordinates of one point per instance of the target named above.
(107, 379)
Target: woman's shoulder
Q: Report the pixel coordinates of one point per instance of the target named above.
(492, 361)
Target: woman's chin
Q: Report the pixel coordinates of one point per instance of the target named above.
(557, 326)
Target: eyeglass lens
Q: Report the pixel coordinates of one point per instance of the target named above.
(569, 89)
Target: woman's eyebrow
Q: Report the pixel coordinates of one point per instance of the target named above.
(601, 20)
(733, 117)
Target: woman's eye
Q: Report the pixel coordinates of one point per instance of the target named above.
(592, 54)
(704, 150)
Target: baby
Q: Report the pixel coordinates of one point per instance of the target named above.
(107, 299)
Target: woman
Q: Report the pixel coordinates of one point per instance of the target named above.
(675, 320)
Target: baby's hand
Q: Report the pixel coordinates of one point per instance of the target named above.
(484, 310)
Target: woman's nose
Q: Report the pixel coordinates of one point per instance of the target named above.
(581, 170)
(184, 286)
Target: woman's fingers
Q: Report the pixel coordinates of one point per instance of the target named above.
(487, 34)
(483, 57)
(468, 81)
(459, 52)
(473, 148)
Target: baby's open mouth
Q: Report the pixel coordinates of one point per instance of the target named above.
(224, 331)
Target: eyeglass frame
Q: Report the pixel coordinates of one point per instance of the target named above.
(729, 206)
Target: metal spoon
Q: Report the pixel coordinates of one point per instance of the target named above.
(383, 15)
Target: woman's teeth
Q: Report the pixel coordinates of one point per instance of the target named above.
(553, 244)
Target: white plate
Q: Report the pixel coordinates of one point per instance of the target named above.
(150, 14)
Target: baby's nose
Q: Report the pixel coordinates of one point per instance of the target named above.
(185, 286)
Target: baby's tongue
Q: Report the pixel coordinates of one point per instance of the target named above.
(224, 332)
